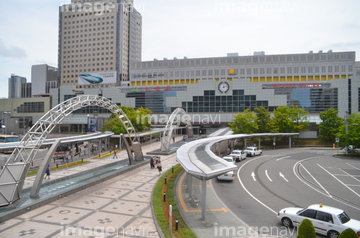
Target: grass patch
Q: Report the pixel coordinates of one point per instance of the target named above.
(161, 207)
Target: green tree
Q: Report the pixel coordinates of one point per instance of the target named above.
(306, 229)
(352, 137)
(330, 125)
(245, 123)
(139, 118)
(348, 233)
(264, 121)
(291, 119)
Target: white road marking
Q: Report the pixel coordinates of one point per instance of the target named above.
(267, 175)
(253, 176)
(283, 158)
(283, 176)
(350, 175)
(353, 166)
(339, 180)
(316, 180)
(238, 176)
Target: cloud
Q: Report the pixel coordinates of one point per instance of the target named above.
(11, 52)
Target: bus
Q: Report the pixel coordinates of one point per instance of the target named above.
(9, 138)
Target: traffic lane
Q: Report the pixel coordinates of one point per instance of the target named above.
(254, 213)
(339, 186)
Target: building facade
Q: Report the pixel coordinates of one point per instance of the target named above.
(18, 87)
(43, 77)
(97, 41)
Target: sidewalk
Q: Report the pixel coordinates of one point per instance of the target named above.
(120, 206)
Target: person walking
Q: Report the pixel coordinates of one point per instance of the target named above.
(152, 164)
(159, 167)
(115, 155)
(47, 172)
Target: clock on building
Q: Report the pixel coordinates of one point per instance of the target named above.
(223, 87)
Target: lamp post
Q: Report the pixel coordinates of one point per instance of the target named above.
(346, 131)
(5, 121)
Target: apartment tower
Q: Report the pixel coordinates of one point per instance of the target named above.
(97, 40)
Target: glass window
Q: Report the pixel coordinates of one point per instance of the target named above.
(310, 213)
(323, 216)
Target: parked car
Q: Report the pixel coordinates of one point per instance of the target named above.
(351, 149)
(229, 159)
(229, 176)
(327, 220)
(238, 155)
(252, 151)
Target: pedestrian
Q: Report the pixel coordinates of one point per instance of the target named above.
(274, 146)
(173, 139)
(152, 164)
(47, 172)
(159, 167)
(115, 155)
(132, 153)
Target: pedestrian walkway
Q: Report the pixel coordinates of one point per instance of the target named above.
(120, 206)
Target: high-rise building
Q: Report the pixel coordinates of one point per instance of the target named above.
(97, 41)
(43, 77)
(18, 87)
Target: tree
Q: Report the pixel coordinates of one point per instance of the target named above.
(352, 137)
(264, 121)
(139, 119)
(330, 125)
(306, 229)
(348, 233)
(291, 119)
(244, 123)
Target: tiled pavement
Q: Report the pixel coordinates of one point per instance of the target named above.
(118, 207)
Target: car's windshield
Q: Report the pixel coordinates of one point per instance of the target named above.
(229, 160)
(343, 217)
(236, 152)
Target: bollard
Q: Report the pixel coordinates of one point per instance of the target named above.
(165, 180)
(57, 165)
(172, 169)
(164, 196)
(176, 224)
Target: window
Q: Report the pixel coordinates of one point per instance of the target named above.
(323, 216)
(308, 213)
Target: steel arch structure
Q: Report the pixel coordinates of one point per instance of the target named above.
(172, 122)
(12, 176)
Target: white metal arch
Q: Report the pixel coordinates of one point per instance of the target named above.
(12, 176)
(172, 122)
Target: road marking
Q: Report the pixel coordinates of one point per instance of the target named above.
(350, 175)
(253, 176)
(256, 199)
(283, 158)
(339, 180)
(267, 175)
(315, 180)
(353, 166)
(283, 176)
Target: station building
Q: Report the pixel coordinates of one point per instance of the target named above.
(213, 90)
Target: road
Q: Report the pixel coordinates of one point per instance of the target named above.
(291, 177)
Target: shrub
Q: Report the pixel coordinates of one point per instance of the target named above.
(306, 229)
(348, 233)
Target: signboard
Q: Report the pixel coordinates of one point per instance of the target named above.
(92, 124)
(97, 78)
(337, 140)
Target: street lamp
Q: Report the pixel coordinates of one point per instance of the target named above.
(346, 131)
(5, 121)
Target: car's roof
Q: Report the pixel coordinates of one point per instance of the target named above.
(236, 151)
(328, 209)
(228, 157)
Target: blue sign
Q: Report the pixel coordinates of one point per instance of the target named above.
(92, 124)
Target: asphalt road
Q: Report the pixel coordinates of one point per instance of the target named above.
(290, 177)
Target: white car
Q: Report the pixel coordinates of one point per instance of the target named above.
(238, 155)
(227, 176)
(252, 151)
(229, 159)
(327, 220)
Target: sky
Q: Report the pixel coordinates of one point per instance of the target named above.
(191, 28)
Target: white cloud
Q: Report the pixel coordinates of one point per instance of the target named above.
(193, 28)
